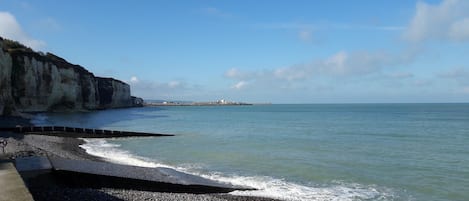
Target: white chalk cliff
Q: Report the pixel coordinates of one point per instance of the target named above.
(36, 82)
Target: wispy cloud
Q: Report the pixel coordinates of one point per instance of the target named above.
(344, 64)
(328, 26)
(240, 85)
(389, 28)
(455, 73)
(305, 31)
(465, 90)
(400, 75)
(49, 24)
(340, 65)
(459, 31)
(423, 82)
(363, 27)
(294, 26)
(458, 75)
(11, 29)
(448, 20)
(25, 5)
(171, 90)
(215, 12)
(305, 35)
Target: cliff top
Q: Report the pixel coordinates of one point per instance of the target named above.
(113, 79)
(16, 48)
(11, 44)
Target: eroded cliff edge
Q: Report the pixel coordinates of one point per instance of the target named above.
(35, 82)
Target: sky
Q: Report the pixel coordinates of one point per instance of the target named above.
(324, 51)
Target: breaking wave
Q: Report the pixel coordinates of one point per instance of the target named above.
(268, 186)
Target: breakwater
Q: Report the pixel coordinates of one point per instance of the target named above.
(63, 131)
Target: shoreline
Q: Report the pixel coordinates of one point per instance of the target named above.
(44, 188)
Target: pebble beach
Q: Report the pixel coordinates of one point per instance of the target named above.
(44, 188)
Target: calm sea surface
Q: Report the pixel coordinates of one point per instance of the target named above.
(299, 152)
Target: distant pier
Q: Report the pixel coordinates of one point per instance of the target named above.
(221, 102)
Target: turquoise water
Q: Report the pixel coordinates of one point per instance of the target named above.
(300, 152)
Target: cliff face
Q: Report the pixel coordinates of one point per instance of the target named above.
(34, 82)
(113, 93)
(6, 100)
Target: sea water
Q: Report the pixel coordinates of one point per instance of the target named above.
(298, 152)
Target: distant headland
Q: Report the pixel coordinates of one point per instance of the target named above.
(221, 102)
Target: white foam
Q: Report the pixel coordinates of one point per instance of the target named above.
(112, 153)
(268, 187)
(281, 189)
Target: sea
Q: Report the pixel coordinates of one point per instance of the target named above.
(298, 151)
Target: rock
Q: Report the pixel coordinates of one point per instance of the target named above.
(137, 102)
(37, 82)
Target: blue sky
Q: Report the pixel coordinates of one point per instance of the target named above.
(259, 51)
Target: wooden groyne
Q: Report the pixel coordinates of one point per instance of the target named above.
(64, 131)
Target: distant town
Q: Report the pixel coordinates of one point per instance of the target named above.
(221, 102)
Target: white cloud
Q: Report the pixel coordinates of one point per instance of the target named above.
(356, 63)
(233, 73)
(174, 84)
(171, 90)
(11, 29)
(291, 73)
(445, 21)
(455, 73)
(460, 30)
(458, 75)
(240, 85)
(336, 63)
(341, 64)
(465, 90)
(134, 79)
(237, 74)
